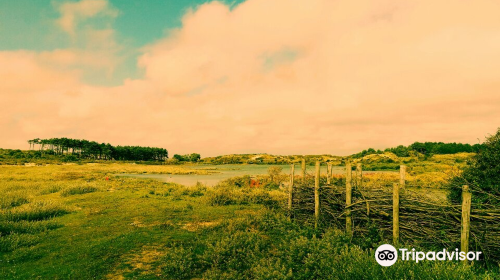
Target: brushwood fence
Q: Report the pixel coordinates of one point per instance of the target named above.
(394, 209)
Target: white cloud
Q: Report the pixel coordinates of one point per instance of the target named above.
(362, 74)
(74, 12)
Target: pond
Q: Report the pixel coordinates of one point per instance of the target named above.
(227, 171)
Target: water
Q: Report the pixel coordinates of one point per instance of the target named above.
(227, 171)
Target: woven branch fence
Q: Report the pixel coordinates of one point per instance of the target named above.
(386, 210)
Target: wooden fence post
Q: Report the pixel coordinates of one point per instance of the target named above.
(303, 169)
(395, 214)
(402, 175)
(348, 198)
(466, 205)
(290, 188)
(316, 195)
(328, 173)
(359, 175)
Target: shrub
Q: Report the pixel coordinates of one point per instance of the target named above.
(219, 196)
(270, 199)
(179, 263)
(239, 182)
(274, 171)
(235, 252)
(482, 174)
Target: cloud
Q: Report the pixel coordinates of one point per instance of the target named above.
(284, 76)
(74, 12)
(358, 73)
(94, 48)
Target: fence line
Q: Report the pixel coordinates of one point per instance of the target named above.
(417, 208)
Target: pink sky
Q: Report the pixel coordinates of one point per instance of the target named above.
(281, 77)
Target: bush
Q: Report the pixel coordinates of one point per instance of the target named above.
(179, 263)
(219, 196)
(274, 171)
(482, 174)
(239, 182)
(235, 252)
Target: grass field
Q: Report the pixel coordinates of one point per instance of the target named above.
(69, 222)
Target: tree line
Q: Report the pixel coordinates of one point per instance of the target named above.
(93, 150)
(426, 148)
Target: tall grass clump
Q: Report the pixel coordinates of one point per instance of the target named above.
(31, 227)
(177, 191)
(78, 190)
(36, 211)
(50, 189)
(222, 196)
(13, 199)
(12, 242)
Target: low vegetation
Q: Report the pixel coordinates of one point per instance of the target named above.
(53, 226)
(77, 220)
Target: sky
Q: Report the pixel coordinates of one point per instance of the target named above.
(254, 76)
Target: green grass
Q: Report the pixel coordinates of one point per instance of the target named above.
(13, 199)
(36, 211)
(145, 229)
(78, 190)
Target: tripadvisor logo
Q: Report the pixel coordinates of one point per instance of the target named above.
(387, 255)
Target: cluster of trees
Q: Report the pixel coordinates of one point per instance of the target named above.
(190, 158)
(426, 148)
(93, 150)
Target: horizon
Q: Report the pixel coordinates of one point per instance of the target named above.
(256, 153)
(305, 78)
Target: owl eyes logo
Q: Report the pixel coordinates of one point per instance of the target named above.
(386, 255)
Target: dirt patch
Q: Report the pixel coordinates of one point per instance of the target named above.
(141, 261)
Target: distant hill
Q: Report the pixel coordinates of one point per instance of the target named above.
(270, 159)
